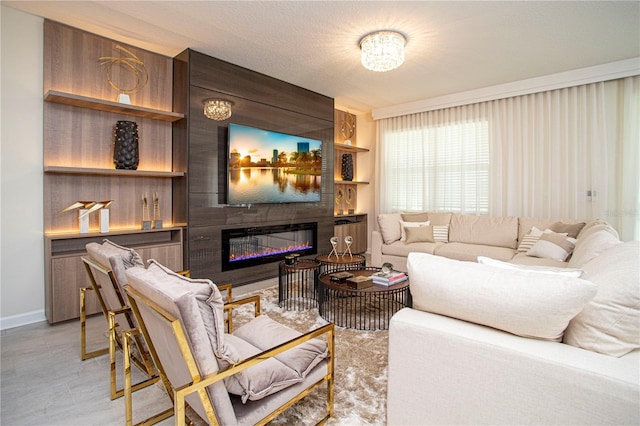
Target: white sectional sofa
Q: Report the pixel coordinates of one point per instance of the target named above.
(465, 237)
(513, 344)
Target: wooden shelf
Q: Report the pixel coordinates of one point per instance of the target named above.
(109, 106)
(127, 231)
(350, 148)
(349, 182)
(110, 172)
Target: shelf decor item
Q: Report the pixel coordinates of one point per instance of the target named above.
(339, 199)
(146, 220)
(347, 128)
(334, 244)
(85, 208)
(125, 150)
(347, 167)
(157, 221)
(348, 240)
(349, 199)
(133, 64)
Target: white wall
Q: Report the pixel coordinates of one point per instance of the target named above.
(21, 177)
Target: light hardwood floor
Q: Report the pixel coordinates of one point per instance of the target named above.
(44, 382)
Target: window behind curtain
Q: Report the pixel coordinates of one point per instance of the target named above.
(440, 167)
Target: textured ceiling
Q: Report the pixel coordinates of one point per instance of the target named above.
(453, 46)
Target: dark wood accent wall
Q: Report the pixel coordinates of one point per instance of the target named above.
(259, 101)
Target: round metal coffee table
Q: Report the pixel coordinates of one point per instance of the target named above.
(368, 308)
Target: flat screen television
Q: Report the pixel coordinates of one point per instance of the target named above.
(271, 167)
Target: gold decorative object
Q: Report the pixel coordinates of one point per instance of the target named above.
(217, 109)
(146, 220)
(347, 128)
(349, 200)
(157, 221)
(132, 63)
(339, 198)
(84, 209)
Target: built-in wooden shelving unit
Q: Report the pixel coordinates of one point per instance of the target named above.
(110, 172)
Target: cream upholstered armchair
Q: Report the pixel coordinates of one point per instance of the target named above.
(247, 377)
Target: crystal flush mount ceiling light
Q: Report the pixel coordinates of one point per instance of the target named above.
(382, 50)
(217, 109)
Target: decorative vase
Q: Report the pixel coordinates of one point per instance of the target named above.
(347, 167)
(125, 150)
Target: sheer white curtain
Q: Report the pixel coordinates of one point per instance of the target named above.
(571, 153)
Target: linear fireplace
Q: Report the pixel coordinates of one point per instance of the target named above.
(253, 246)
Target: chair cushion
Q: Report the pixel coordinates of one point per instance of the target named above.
(274, 374)
(610, 323)
(524, 303)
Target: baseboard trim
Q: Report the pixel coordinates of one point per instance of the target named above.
(22, 319)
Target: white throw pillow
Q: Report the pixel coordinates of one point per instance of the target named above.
(524, 303)
(403, 225)
(610, 323)
(553, 246)
(529, 240)
(567, 272)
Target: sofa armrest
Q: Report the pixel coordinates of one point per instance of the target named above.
(444, 371)
(376, 248)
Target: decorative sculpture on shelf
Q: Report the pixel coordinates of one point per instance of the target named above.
(339, 199)
(349, 200)
(157, 221)
(347, 128)
(334, 244)
(348, 240)
(132, 63)
(146, 220)
(85, 208)
(125, 145)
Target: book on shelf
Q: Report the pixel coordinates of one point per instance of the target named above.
(393, 277)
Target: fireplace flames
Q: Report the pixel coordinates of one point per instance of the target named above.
(269, 251)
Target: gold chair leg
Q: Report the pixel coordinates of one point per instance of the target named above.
(83, 329)
(115, 392)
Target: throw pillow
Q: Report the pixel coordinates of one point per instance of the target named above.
(389, 227)
(610, 323)
(529, 240)
(571, 229)
(519, 302)
(405, 225)
(553, 246)
(441, 233)
(421, 234)
(595, 241)
(567, 272)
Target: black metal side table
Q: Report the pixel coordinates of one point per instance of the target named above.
(333, 263)
(297, 285)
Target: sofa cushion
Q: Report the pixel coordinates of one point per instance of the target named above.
(389, 224)
(405, 225)
(526, 223)
(610, 323)
(551, 245)
(523, 259)
(520, 302)
(485, 230)
(414, 217)
(441, 233)
(470, 252)
(439, 218)
(592, 243)
(571, 229)
(420, 234)
(401, 249)
(541, 269)
(529, 240)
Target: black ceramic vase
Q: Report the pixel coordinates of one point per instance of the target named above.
(347, 167)
(125, 150)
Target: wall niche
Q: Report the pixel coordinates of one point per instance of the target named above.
(258, 101)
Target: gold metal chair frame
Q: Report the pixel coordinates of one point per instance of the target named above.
(115, 337)
(199, 383)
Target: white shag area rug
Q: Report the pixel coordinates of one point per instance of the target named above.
(360, 368)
